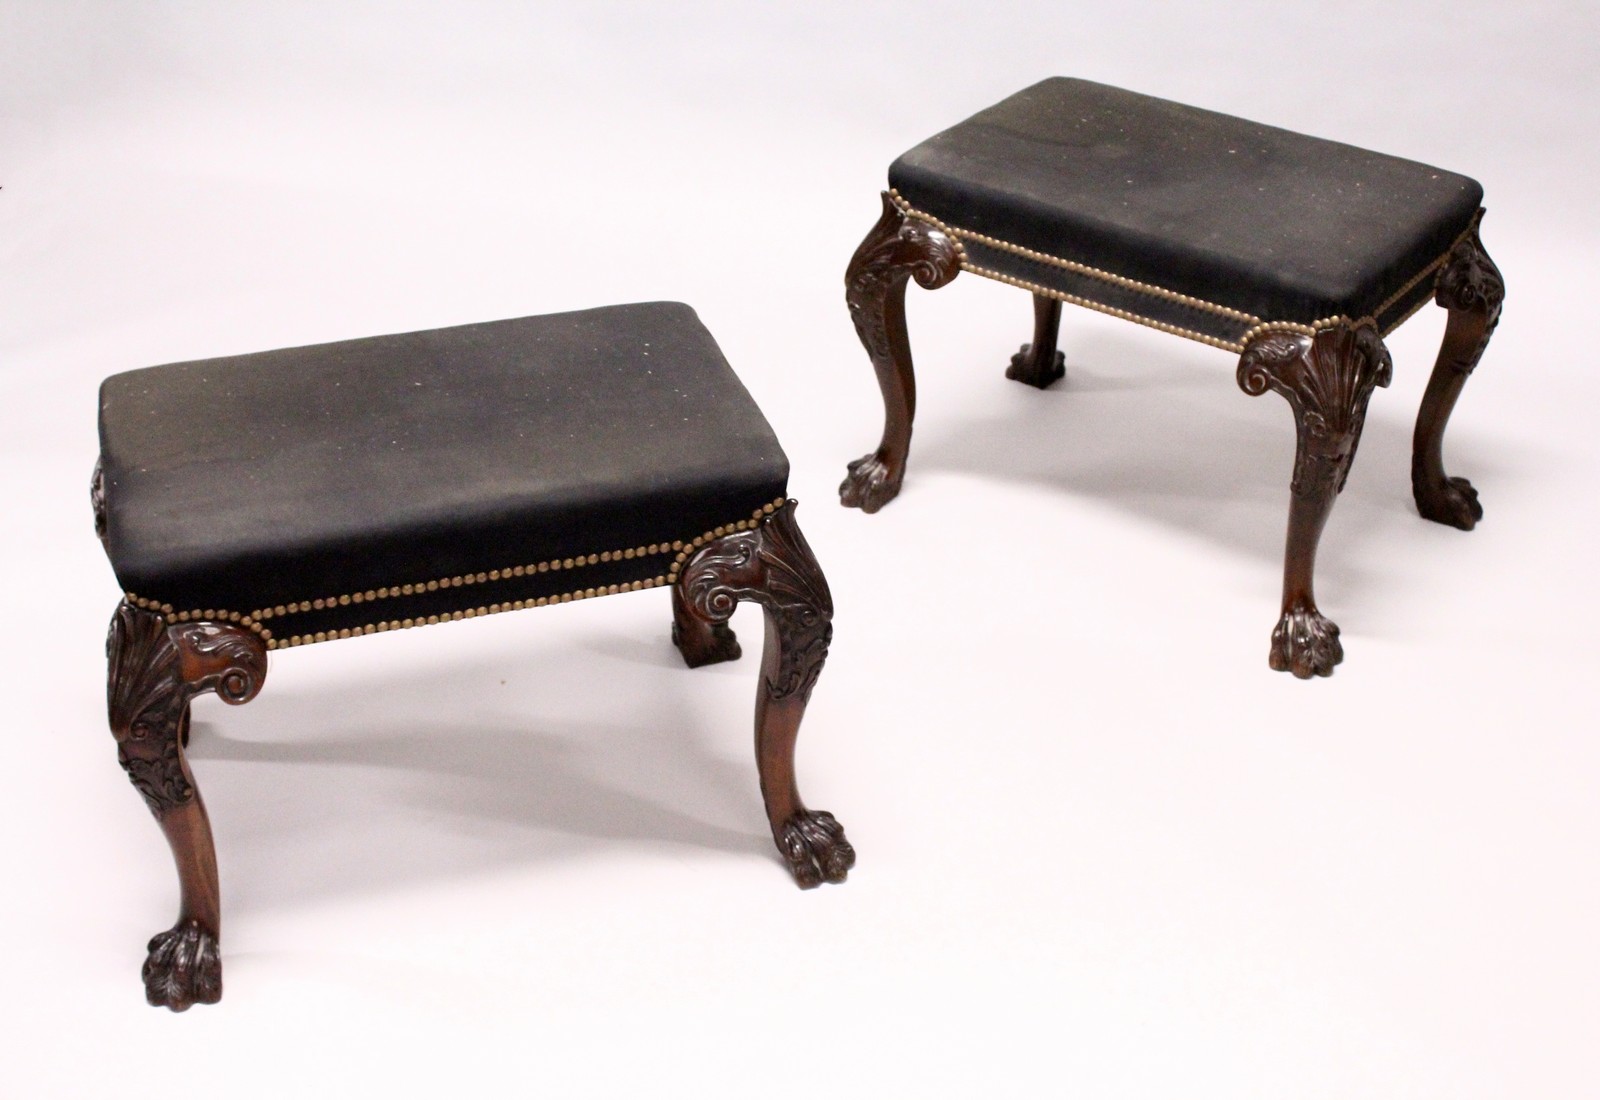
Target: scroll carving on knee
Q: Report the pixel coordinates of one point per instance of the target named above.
(773, 566)
(701, 641)
(898, 248)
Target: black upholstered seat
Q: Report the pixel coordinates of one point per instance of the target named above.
(365, 485)
(1195, 221)
(1297, 253)
(271, 500)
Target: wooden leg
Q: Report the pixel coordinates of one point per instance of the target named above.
(1039, 364)
(897, 249)
(1471, 289)
(772, 566)
(1327, 380)
(699, 641)
(155, 670)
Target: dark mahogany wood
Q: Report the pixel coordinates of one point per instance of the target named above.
(97, 501)
(154, 671)
(1327, 380)
(1471, 289)
(1039, 364)
(898, 248)
(701, 642)
(772, 566)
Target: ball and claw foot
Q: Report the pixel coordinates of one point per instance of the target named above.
(184, 968)
(720, 644)
(1024, 369)
(813, 844)
(868, 485)
(1453, 502)
(1306, 644)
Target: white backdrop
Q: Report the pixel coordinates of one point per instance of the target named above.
(1104, 851)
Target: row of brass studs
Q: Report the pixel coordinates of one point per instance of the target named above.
(757, 518)
(1087, 303)
(1410, 313)
(469, 613)
(252, 620)
(1444, 257)
(1295, 327)
(1081, 269)
(551, 566)
(1259, 328)
(211, 615)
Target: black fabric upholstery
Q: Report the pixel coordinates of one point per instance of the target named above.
(1275, 225)
(428, 461)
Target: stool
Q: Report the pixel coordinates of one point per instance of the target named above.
(271, 501)
(1297, 253)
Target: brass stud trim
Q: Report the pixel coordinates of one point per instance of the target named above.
(1442, 259)
(254, 619)
(1410, 313)
(1258, 327)
(1138, 319)
(1073, 266)
(581, 561)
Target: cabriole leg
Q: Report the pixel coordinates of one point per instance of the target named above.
(1471, 289)
(1327, 380)
(897, 249)
(772, 566)
(154, 671)
(1039, 364)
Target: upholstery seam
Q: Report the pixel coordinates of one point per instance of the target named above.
(256, 620)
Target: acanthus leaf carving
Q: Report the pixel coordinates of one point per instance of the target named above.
(1327, 380)
(1469, 279)
(1470, 282)
(771, 566)
(896, 249)
(154, 672)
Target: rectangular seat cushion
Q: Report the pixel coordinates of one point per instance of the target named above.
(1189, 219)
(344, 488)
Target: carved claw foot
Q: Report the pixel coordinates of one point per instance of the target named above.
(184, 968)
(1024, 369)
(1452, 501)
(712, 647)
(869, 485)
(813, 844)
(1305, 643)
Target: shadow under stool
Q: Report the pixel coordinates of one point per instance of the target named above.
(1298, 254)
(272, 501)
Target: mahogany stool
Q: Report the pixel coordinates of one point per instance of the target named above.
(267, 502)
(1298, 254)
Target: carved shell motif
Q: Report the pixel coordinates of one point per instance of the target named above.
(771, 566)
(154, 671)
(1327, 380)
